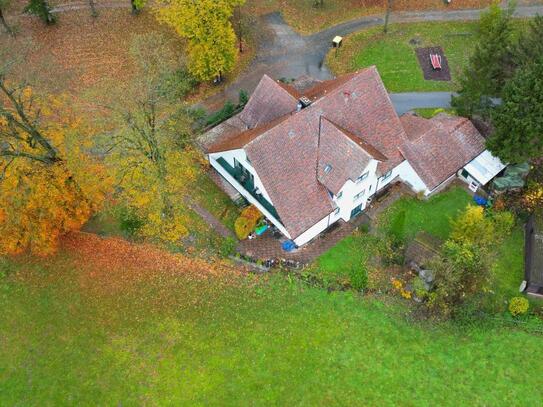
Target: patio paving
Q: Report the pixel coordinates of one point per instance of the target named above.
(268, 247)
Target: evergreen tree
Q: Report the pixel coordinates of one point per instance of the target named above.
(519, 120)
(489, 66)
(530, 45)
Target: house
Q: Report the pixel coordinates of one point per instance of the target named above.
(309, 158)
(533, 264)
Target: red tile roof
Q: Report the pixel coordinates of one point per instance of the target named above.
(337, 147)
(269, 101)
(439, 147)
(285, 153)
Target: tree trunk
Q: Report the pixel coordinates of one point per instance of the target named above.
(240, 30)
(94, 13)
(4, 22)
(387, 15)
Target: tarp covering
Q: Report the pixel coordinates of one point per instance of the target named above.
(513, 177)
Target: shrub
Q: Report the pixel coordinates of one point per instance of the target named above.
(243, 227)
(518, 306)
(247, 221)
(129, 222)
(358, 275)
(225, 113)
(41, 9)
(243, 98)
(252, 213)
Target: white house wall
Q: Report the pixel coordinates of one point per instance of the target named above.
(347, 202)
(408, 175)
(316, 229)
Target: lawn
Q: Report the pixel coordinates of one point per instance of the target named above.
(79, 332)
(394, 53)
(347, 259)
(432, 216)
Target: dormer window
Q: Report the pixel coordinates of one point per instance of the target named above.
(362, 177)
(327, 169)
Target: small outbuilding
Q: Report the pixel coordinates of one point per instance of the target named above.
(533, 264)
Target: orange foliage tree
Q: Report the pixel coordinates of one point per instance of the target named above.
(48, 184)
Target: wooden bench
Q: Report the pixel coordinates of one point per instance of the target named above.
(435, 60)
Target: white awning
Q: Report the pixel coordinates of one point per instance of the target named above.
(484, 167)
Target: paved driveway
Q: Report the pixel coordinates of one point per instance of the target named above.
(283, 53)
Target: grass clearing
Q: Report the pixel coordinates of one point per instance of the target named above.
(394, 53)
(71, 337)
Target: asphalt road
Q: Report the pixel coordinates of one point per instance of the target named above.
(283, 53)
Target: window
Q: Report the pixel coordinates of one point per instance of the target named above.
(359, 195)
(362, 177)
(339, 195)
(465, 174)
(327, 168)
(387, 175)
(336, 211)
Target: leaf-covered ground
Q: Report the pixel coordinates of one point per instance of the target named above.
(108, 323)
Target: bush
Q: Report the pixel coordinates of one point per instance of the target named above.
(243, 98)
(518, 306)
(225, 113)
(247, 221)
(358, 275)
(129, 222)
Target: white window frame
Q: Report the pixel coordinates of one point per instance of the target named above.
(362, 177)
(359, 195)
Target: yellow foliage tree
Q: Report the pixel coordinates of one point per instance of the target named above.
(48, 184)
(150, 156)
(206, 25)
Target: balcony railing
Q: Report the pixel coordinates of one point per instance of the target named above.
(247, 182)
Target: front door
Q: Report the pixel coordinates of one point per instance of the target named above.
(356, 211)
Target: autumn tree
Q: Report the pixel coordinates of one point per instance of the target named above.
(490, 65)
(48, 184)
(206, 26)
(149, 150)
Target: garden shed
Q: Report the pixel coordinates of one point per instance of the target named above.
(533, 271)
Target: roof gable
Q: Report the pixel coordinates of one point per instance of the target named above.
(439, 147)
(269, 101)
(340, 156)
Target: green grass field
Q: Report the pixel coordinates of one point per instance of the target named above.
(71, 338)
(432, 216)
(394, 53)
